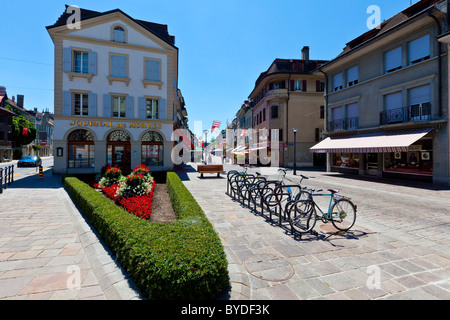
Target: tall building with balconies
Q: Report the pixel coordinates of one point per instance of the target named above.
(387, 99)
(289, 96)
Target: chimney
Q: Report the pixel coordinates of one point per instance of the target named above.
(13, 98)
(305, 53)
(20, 98)
(2, 90)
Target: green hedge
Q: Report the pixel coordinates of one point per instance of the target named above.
(180, 260)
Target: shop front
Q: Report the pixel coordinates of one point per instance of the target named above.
(406, 154)
(86, 146)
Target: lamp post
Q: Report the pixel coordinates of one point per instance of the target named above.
(206, 143)
(295, 150)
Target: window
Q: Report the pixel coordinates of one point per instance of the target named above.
(81, 104)
(119, 34)
(152, 153)
(393, 60)
(352, 120)
(119, 107)
(274, 112)
(152, 109)
(352, 76)
(119, 66)
(80, 62)
(393, 101)
(152, 70)
(264, 114)
(419, 50)
(298, 85)
(81, 149)
(322, 112)
(337, 82)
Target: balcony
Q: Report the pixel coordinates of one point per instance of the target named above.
(276, 94)
(344, 124)
(414, 113)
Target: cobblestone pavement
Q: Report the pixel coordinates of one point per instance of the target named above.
(398, 249)
(49, 252)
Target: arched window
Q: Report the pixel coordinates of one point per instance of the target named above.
(152, 149)
(119, 149)
(119, 34)
(81, 149)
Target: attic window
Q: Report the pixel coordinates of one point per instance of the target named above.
(119, 34)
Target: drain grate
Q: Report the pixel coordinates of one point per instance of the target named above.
(269, 267)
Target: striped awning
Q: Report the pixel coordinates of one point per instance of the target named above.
(373, 142)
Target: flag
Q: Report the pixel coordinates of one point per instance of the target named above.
(216, 124)
(25, 131)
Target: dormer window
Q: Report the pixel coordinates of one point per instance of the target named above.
(119, 34)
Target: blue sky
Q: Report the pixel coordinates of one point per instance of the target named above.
(224, 45)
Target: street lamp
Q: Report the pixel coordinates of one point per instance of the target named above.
(206, 143)
(295, 150)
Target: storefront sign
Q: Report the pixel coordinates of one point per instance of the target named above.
(415, 148)
(110, 124)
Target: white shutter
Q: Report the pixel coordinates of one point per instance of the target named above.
(352, 75)
(338, 113)
(393, 59)
(419, 95)
(419, 49)
(337, 82)
(393, 101)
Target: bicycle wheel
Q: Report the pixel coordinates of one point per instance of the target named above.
(343, 214)
(302, 216)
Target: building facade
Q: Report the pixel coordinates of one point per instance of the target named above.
(115, 92)
(387, 102)
(287, 96)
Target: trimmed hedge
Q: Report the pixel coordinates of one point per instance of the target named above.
(183, 260)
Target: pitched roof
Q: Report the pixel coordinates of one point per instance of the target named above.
(389, 24)
(159, 30)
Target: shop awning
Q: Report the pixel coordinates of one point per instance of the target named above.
(373, 142)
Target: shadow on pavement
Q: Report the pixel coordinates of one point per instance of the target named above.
(49, 181)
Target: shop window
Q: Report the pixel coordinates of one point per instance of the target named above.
(418, 159)
(346, 160)
(81, 149)
(152, 151)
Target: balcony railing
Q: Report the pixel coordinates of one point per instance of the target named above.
(344, 124)
(415, 113)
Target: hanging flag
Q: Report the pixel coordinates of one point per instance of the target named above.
(216, 124)
(25, 131)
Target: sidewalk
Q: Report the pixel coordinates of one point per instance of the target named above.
(49, 252)
(398, 248)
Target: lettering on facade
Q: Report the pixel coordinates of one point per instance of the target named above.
(109, 124)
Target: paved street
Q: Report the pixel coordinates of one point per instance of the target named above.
(48, 251)
(398, 248)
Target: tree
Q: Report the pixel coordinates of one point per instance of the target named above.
(20, 136)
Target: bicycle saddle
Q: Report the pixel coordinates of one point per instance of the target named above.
(333, 191)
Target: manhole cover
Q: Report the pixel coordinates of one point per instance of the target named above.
(268, 267)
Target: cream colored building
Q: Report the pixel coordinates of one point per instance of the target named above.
(115, 92)
(289, 96)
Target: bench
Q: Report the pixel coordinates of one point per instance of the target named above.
(210, 168)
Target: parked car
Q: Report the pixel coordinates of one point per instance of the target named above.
(29, 161)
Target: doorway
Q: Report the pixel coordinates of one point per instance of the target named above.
(372, 164)
(119, 150)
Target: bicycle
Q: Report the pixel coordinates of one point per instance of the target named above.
(302, 214)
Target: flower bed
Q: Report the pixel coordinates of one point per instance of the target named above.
(134, 192)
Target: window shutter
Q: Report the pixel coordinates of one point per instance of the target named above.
(318, 87)
(393, 59)
(93, 63)
(337, 82)
(419, 95)
(162, 109)
(142, 112)
(393, 101)
(304, 85)
(130, 107)
(338, 113)
(152, 70)
(352, 74)
(67, 60)
(92, 104)
(419, 49)
(353, 110)
(292, 85)
(106, 106)
(67, 103)
(119, 66)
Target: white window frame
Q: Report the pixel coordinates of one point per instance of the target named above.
(82, 97)
(153, 114)
(83, 59)
(121, 107)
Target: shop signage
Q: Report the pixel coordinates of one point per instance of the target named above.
(415, 148)
(110, 124)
